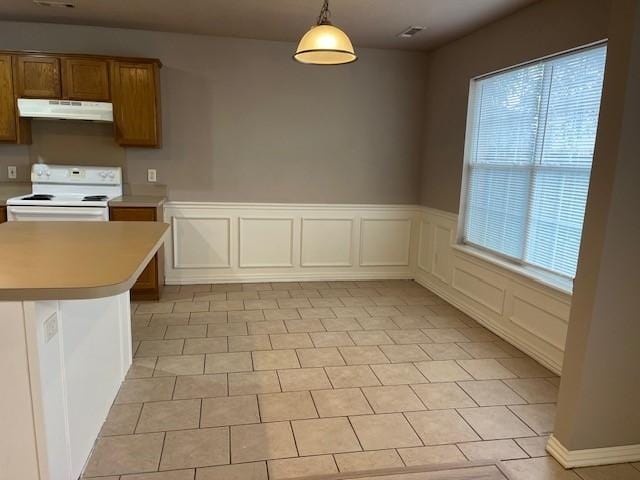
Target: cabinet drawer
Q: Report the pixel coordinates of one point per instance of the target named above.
(127, 214)
(38, 77)
(85, 79)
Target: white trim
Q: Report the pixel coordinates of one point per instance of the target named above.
(545, 342)
(484, 320)
(309, 220)
(406, 260)
(290, 277)
(474, 297)
(592, 456)
(176, 258)
(539, 329)
(289, 206)
(556, 282)
(271, 264)
(452, 217)
(243, 264)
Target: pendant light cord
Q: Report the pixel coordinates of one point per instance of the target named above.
(325, 14)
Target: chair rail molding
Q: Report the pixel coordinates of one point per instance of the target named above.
(244, 242)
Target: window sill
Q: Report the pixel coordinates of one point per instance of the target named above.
(555, 282)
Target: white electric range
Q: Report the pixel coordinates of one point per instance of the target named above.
(64, 193)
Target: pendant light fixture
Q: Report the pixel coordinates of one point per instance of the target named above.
(325, 44)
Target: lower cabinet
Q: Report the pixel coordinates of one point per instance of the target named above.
(3, 214)
(151, 280)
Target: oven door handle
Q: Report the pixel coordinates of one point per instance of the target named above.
(66, 211)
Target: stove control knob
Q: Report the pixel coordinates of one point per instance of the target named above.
(112, 175)
(48, 173)
(103, 174)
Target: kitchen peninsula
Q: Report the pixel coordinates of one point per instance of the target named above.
(65, 337)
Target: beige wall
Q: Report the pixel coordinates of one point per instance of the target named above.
(245, 123)
(600, 390)
(546, 27)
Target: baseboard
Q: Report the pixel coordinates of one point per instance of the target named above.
(592, 456)
(288, 277)
(428, 282)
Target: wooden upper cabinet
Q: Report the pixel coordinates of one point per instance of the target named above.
(8, 117)
(38, 76)
(131, 84)
(85, 79)
(135, 91)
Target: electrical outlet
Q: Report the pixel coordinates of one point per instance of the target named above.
(50, 328)
(12, 173)
(151, 175)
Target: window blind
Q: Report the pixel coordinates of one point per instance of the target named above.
(530, 147)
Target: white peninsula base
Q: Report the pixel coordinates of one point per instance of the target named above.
(61, 363)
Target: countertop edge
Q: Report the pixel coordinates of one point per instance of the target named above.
(137, 201)
(82, 293)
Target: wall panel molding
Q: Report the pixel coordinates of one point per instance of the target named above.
(287, 242)
(476, 285)
(385, 242)
(201, 242)
(528, 314)
(425, 256)
(326, 242)
(220, 242)
(265, 242)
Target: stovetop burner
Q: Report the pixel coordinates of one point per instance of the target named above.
(94, 198)
(39, 196)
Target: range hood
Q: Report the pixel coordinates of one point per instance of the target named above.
(65, 110)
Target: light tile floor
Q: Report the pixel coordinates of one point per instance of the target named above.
(281, 380)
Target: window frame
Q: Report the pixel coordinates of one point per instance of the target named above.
(542, 274)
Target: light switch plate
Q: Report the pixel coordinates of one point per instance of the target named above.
(12, 172)
(151, 175)
(50, 328)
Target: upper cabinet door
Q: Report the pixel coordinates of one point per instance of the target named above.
(85, 79)
(136, 102)
(8, 130)
(38, 77)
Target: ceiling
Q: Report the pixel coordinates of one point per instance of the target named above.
(370, 23)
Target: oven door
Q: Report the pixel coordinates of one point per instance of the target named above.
(17, 213)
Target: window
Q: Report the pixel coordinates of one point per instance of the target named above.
(530, 143)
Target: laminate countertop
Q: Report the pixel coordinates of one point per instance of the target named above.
(74, 260)
(139, 201)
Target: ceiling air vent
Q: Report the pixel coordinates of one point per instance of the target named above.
(55, 3)
(410, 32)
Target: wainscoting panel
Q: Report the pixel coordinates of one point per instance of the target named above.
(266, 242)
(442, 239)
(539, 315)
(231, 242)
(327, 242)
(228, 242)
(479, 285)
(531, 316)
(425, 242)
(385, 242)
(201, 242)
